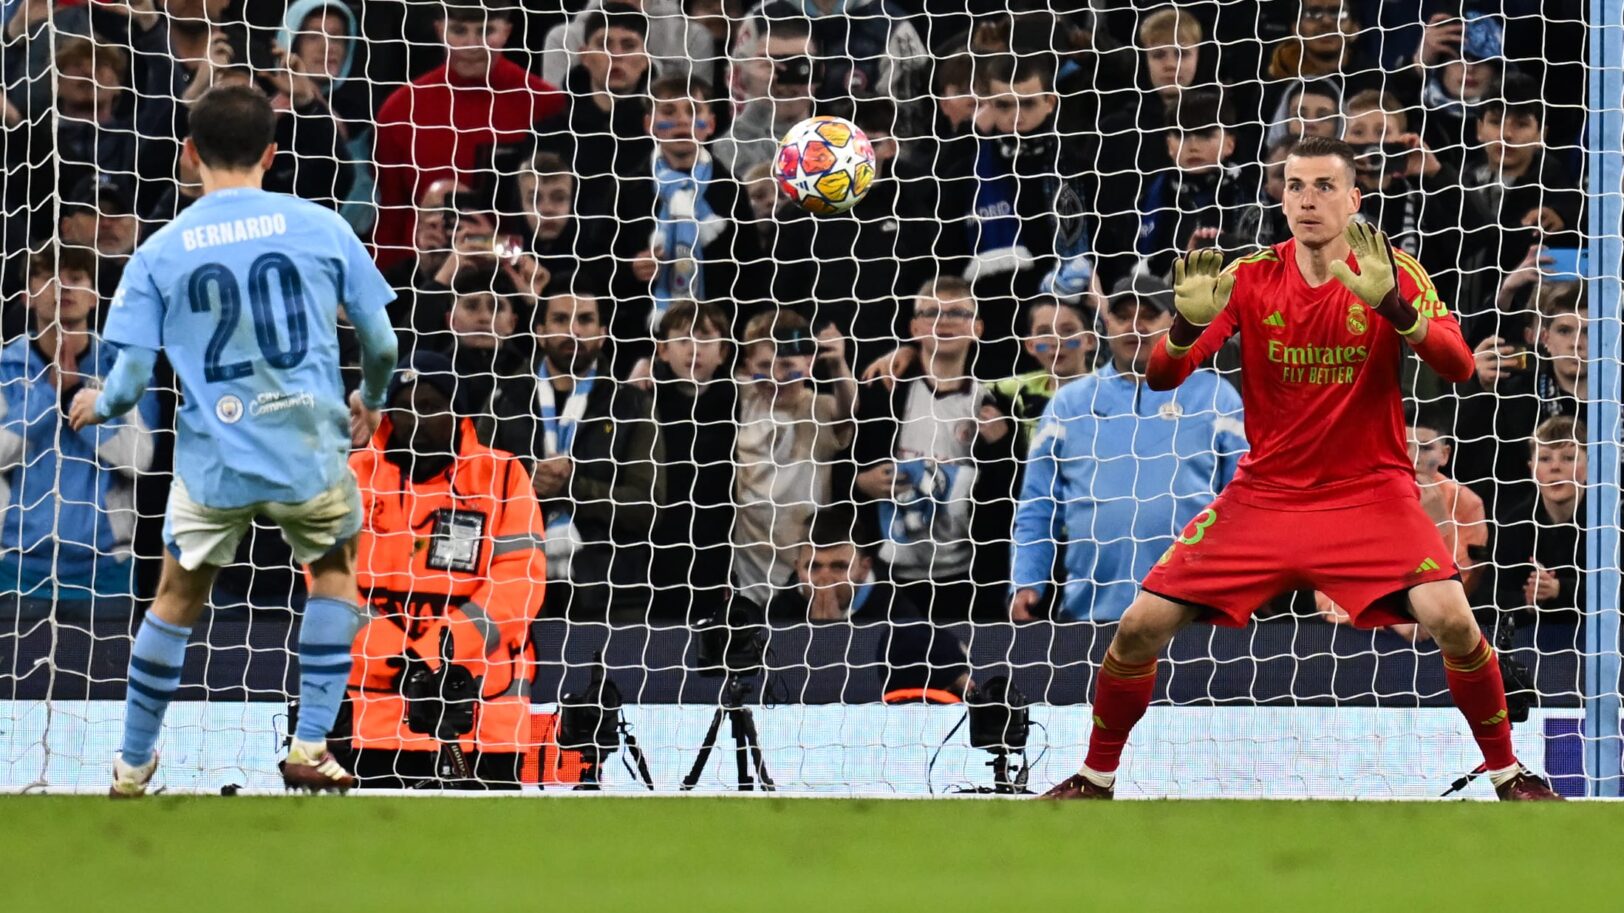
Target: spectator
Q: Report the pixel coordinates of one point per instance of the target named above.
(835, 573)
(681, 220)
(94, 121)
(1457, 75)
(923, 664)
(1117, 469)
(68, 497)
(695, 401)
(481, 341)
(451, 570)
(767, 202)
(1455, 510)
(852, 267)
(1408, 192)
(1525, 195)
(177, 50)
(596, 457)
(601, 135)
(96, 215)
(1272, 229)
(1307, 109)
(1170, 55)
(1519, 387)
(788, 435)
(1017, 225)
(1059, 339)
(868, 49)
(1205, 199)
(437, 219)
(186, 189)
(1539, 545)
(919, 449)
(776, 80)
(564, 239)
(319, 39)
(678, 47)
(1322, 46)
(447, 122)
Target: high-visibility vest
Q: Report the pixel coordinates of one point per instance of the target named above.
(460, 552)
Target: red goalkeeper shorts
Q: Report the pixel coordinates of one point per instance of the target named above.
(1233, 558)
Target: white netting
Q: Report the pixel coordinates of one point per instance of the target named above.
(829, 416)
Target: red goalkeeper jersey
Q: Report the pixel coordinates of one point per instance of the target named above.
(1320, 382)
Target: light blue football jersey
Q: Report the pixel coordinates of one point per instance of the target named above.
(242, 293)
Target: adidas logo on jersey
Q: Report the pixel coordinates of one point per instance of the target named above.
(1275, 320)
(1427, 564)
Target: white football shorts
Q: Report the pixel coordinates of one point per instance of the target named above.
(197, 534)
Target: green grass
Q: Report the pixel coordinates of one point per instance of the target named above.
(767, 855)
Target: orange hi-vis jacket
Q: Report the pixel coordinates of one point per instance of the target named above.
(462, 551)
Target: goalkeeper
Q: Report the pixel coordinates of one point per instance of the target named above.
(1327, 497)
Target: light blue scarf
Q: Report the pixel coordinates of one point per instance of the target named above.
(684, 224)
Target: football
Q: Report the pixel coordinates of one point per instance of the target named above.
(825, 164)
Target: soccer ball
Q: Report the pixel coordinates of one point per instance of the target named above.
(825, 164)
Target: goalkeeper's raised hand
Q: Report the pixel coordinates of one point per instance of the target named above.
(1376, 283)
(1201, 288)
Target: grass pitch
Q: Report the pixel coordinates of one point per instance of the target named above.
(770, 855)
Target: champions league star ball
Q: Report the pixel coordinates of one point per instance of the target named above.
(825, 164)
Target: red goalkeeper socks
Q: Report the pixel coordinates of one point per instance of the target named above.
(1121, 694)
(1474, 681)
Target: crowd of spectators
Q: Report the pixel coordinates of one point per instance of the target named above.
(931, 406)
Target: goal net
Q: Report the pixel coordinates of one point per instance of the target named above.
(812, 488)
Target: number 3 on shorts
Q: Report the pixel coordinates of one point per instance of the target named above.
(1198, 527)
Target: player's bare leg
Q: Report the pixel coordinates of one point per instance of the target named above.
(1122, 691)
(331, 620)
(155, 665)
(1473, 673)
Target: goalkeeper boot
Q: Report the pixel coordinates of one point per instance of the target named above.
(130, 781)
(1078, 786)
(315, 769)
(1524, 786)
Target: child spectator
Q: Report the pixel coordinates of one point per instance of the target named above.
(1540, 541)
(67, 497)
(775, 85)
(1409, 193)
(788, 435)
(601, 134)
(564, 241)
(1204, 200)
(695, 401)
(695, 246)
(1457, 75)
(919, 450)
(482, 342)
(445, 122)
(1520, 386)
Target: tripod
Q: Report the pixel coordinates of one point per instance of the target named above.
(1002, 783)
(592, 762)
(746, 745)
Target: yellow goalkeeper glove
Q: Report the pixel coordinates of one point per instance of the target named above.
(1377, 274)
(1201, 287)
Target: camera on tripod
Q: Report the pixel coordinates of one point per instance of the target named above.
(590, 723)
(1000, 723)
(1521, 692)
(441, 703)
(732, 643)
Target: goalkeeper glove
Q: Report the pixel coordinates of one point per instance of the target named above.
(1376, 283)
(1201, 288)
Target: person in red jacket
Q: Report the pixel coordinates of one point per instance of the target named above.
(446, 122)
(450, 565)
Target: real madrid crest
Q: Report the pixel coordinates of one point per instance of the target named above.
(1358, 319)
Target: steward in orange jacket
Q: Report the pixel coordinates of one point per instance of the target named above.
(451, 542)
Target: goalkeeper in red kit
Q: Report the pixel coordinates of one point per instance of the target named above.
(1326, 498)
